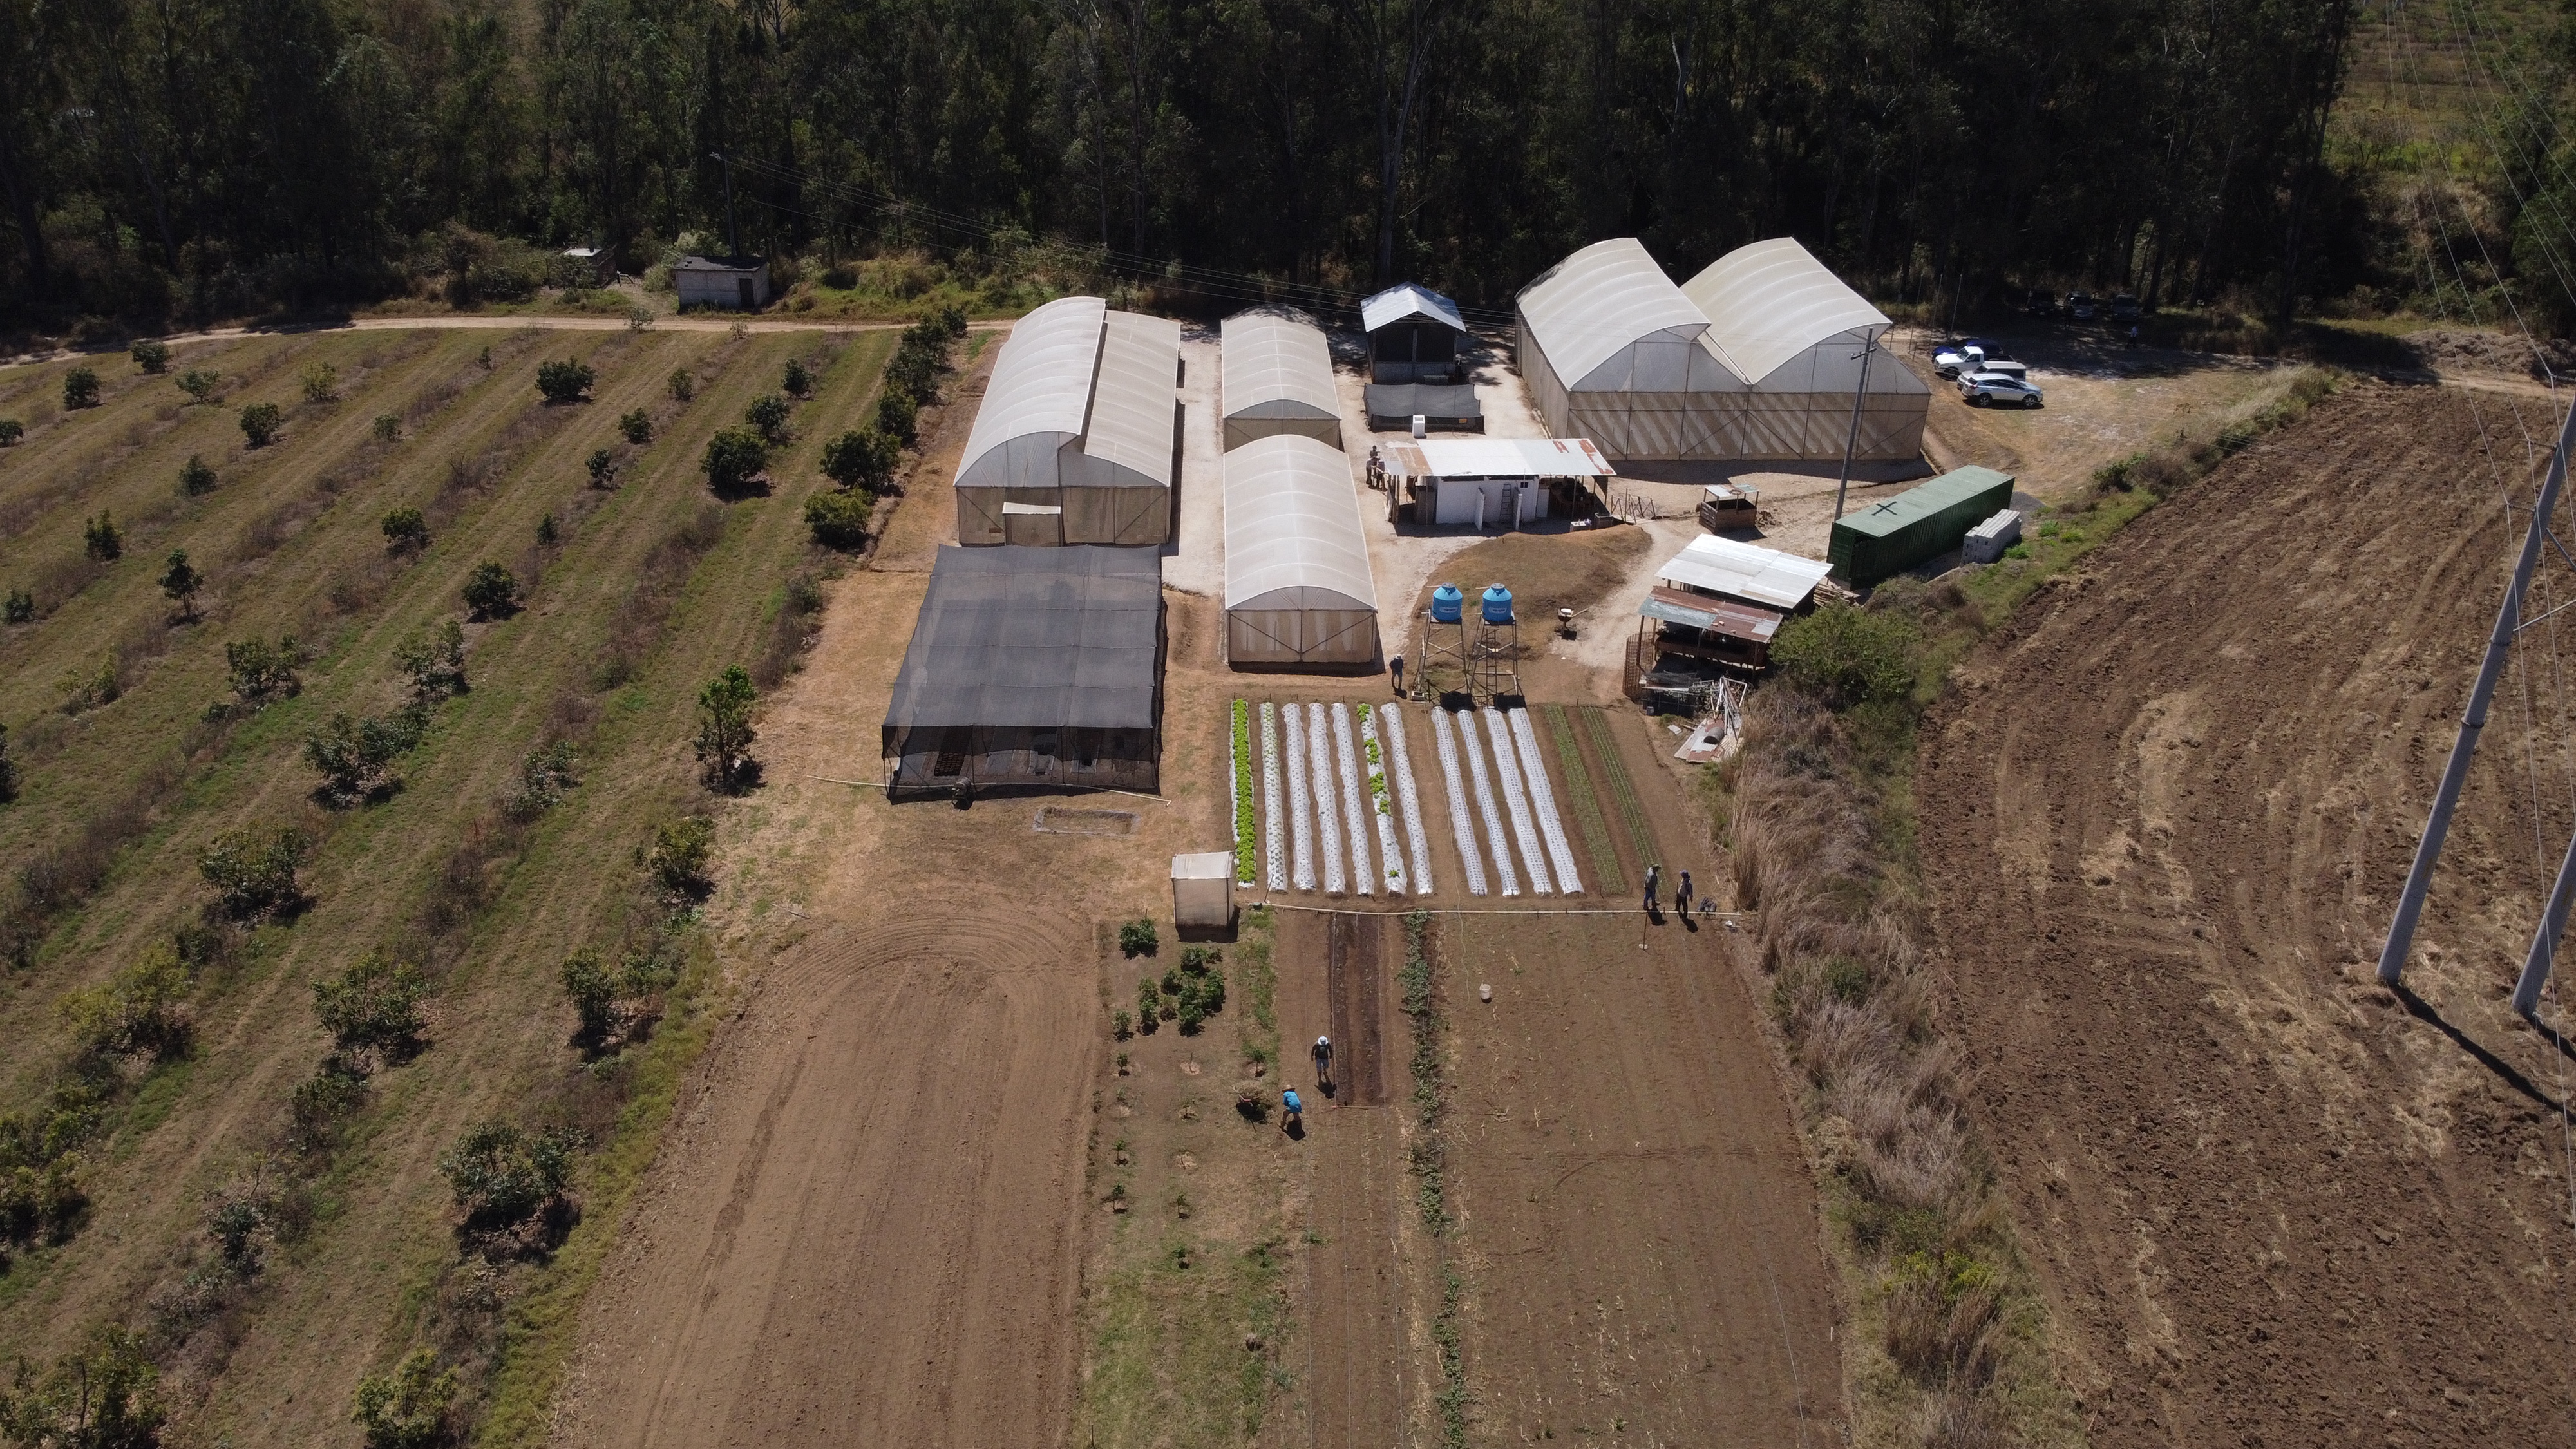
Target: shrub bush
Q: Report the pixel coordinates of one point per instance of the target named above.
(20, 608)
(1149, 1005)
(502, 1176)
(260, 671)
(1847, 656)
(252, 869)
(150, 355)
(100, 538)
(637, 426)
(681, 851)
(862, 458)
(356, 756)
(80, 388)
(796, 381)
(592, 989)
(200, 384)
(196, 477)
(388, 428)
(11, 430)
(683, 384)
(180, 582)
(769, 413)
(491, 592)
(260, 422)
(139, 1010)
(735, 456)
(602, 466)
(544, 776)
(373, 1005)
(725, 734)
(321, 382)
(406, 529)
(406, 1409)
(1138, 937)
(897, 413)
(838, 517)
(565, 380)
(104, 1395)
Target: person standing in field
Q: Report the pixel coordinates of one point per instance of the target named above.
(1682, 895)
(1396, 666)
(1324, 1060)
(1654, 879)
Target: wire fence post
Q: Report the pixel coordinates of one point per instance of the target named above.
(2428, 850)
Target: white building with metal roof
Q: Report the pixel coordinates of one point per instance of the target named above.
(1757, 357)
(1079, 427)
(1298, 590)
(1727, 569)
(1275, 375)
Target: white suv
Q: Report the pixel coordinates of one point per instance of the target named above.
(1982, 389)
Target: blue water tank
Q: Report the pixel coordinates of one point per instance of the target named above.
(1498, 604)
(1447, 604)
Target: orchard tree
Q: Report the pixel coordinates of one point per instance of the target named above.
(725, 734)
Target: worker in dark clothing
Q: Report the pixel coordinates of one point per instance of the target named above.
(1396, 667)
(1324, 1060)
(1682, 896)
(1654, 880)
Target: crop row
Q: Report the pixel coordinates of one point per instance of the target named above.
(1597, 726)
(1507, 769)
(1411, 799)
(1238, 773)
(1587, 806)
(1551, 826)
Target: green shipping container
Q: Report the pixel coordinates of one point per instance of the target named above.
(1919, 523)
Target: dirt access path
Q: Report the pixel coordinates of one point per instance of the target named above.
(2165, 817)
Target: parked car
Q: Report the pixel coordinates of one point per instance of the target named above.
(2124, 307)
(2081, 306)
(1950, 358)
(1995, 359)
(2041, 304)
(1990, 389)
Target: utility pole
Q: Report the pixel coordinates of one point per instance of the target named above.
(2419, 876)
(733, 235)
(1851, 440)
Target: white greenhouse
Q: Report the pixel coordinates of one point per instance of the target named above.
(1757, 357)
(1078, 438)
(1298, 593)
(1277, 377)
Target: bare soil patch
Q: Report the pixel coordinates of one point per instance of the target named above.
(2165, 818)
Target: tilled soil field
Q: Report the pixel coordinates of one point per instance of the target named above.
(2164, 819)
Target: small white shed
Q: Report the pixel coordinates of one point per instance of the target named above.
(1203, 890)
(732, 284)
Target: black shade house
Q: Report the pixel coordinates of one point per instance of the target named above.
(1413, 335)
(1032, 665)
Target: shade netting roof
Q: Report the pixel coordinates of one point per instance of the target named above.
(1033, 638)
(1406, 400)
(1601, 301)
(1771, 300)
(1276, 367)
(1408, 301)
(1292, 528)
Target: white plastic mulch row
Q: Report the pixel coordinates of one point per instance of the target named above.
(1381, 803)
(1274, 830)
(1492, 814)
(1464, 829)
(1560, 851)
(1300, 801)
(1346, 772)
(1507, 769)
(1319, 769)
(1408, 797)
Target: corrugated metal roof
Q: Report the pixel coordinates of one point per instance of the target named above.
(1275, 367)
(1745, 571)
(1040, 390)
(1725, 616)
(1771, 300)
(1292, 527)
(1601, 301)
(1131, 400)
(1408, 299)
(1921, 501)
(1499, 458)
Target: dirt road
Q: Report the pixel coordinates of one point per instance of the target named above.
(2165, 817)
(875, 1240)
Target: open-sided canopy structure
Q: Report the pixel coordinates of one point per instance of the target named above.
(1724, 568)
(1277, 377)
(1032, 666)
(1756, 357)
(1413, 335)
(1298, 591)
(1082, 415)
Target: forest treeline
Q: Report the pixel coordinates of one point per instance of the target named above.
(205, 157)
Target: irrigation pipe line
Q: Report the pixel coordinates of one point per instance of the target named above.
(1485, 911)
(1016, 785)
